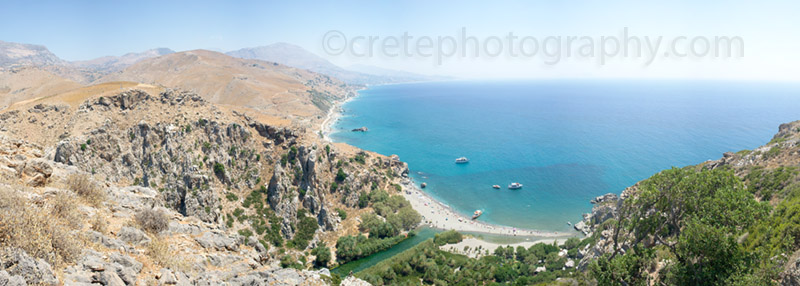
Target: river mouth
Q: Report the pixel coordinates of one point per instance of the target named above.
(423, 234)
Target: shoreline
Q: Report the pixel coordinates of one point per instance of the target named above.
(436, 214)
(332, 117)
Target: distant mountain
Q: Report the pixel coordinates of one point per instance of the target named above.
(296, 56)
(15, 54)
(112, 64)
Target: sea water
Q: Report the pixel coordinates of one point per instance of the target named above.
(566, 141)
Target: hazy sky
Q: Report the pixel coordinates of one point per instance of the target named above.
(79, 30)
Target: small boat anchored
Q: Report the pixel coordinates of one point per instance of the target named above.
(423, 185)
(496, 187)
(476, 214)
(515, 186)
(462, 160)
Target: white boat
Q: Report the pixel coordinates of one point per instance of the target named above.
(496, 186)
(462, 160)
(515, 186)
(476, 214)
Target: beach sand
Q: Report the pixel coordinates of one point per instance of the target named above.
(437, 215)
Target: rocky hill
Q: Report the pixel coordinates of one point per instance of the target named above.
(158, 186)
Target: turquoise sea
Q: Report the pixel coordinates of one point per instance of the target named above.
(566, 141)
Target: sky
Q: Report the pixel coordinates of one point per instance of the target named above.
(81, 30)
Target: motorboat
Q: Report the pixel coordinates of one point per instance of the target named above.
(515, 186)
(462, 160)
(496, 186)
(476, 214)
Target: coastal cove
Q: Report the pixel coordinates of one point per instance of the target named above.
(566, 141)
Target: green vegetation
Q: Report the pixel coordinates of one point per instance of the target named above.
(288, 261)
(264, 224)
(292, 156)
(360, 158)
(507, 265)
(231, 197)
(349, 248)
(696, 217)
(340, 175)
(306, 227)
(342, 213)
(393, 214)
(447, 237)
(219, 169)
(765, 183)
(773, 152)
(323, 255)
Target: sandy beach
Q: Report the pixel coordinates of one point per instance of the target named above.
(332, 117)
(437, 215)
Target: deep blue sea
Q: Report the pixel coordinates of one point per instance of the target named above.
(566, 141)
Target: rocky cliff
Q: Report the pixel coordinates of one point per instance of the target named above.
(171, 189)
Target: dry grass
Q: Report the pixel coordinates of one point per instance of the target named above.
(159, 251)
(64, 206)
(152, 220)
(82, 185)
(36, 230)
(99, 224)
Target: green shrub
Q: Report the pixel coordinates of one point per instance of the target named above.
(340, 175)
(447, 237)
(231, 197)
(306, 228)
(219, 169)
(323, 255)
(342, 213)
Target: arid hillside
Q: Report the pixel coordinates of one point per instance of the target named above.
(276, 90)
(22, 84)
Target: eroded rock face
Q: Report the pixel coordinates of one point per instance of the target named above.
(17, 262)
(283, 200)
(220, 241)
(20, 159)
(791, 275)
(160, 156)
(96, 268)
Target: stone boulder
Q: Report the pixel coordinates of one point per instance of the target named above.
(17, 262)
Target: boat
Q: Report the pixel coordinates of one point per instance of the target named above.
(496, 186)
(476, 214)
(462, 160)
(515, 186)
(423, 185)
